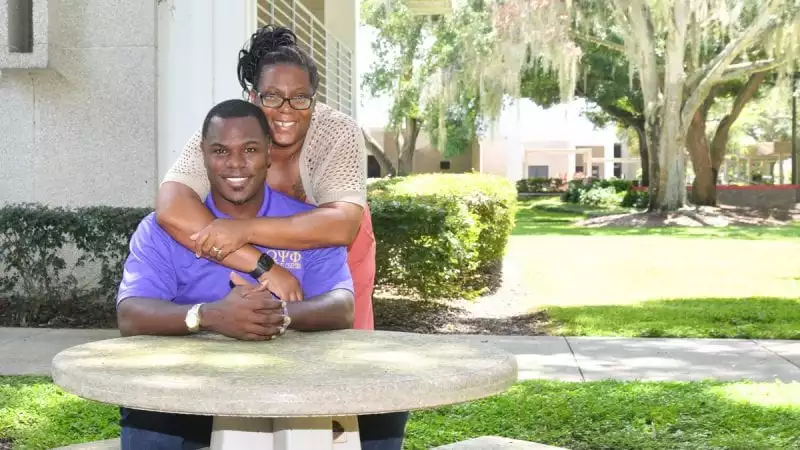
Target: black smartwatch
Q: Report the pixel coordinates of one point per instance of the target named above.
(265, 262)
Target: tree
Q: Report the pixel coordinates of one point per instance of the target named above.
(665, 45)
(419, 62)
(398, 51)
(605, 81)
(707, 154)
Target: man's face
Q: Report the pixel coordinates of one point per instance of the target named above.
(236, 154)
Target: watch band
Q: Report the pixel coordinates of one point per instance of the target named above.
(264, 264)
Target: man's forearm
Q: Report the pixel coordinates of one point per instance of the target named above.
(330, 311)
(138, 315)
(320, 227)
(181, 212)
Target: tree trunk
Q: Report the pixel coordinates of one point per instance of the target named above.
(644, 154)
(704, 187)
(719, 144)
(666, 120)
(409, 145)
(376, 150)
(707, 159)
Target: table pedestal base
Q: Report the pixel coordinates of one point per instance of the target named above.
(295, 433)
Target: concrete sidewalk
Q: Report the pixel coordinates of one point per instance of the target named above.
(26, 351)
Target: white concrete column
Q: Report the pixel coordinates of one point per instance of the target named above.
(198, 47)
(571, 165)
(342, 20)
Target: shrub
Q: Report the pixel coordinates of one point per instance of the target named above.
(35, 242)
(596, 192)
(539, 185)
(438, 234)
(599, 196)
(636, 199)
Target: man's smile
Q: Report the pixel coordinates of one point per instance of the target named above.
(236, 182)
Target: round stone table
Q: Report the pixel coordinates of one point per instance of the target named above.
(300, 391)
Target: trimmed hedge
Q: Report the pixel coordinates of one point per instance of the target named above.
(438, 235)
(540, 185)
(35, 243)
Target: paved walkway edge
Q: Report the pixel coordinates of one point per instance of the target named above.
(29, 351)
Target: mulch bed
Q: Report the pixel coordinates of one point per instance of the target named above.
(80, 314)
(391, 314)
(440, 317)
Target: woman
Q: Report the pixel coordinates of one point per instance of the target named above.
(318, 156)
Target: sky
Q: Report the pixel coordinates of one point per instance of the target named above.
(371, 112)
(530, 122)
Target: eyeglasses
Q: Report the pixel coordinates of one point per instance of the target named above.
(276, 101)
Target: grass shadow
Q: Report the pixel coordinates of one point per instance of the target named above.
(537, 218)
(623, 415)
(745, 318)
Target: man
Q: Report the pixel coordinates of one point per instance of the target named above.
(167, 290)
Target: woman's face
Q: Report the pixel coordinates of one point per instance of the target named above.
(277, 83)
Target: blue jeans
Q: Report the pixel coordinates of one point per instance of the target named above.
(145, 430)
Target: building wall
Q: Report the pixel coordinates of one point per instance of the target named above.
(557, 162)
(427, 158)
(342, 18)
(83, 131)
(494, 157)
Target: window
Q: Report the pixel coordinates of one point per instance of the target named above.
(617, 150)
(373, 167)
(20, 26)
(444, 165)
(538, 171)
(617, 170)
(595, 171)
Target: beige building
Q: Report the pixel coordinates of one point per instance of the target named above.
(427, 158)
(527, 142)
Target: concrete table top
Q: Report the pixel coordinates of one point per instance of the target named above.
(335, 373)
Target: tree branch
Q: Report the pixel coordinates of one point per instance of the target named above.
(613, 46)
(720, 140)
(642, 35)
(700, 83)
(735, 71)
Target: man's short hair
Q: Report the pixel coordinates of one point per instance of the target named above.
(236, 108)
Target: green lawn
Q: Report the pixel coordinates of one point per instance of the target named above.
(668, 282)
(597, 415)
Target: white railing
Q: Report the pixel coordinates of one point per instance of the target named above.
(334, 60)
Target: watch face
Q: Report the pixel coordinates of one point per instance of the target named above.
(193, 318)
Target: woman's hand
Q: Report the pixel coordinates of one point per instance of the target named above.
(220, 238)
(282, 283)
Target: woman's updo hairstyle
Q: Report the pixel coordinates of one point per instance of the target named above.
(271, 45)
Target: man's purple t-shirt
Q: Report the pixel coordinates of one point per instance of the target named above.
(160, 267)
